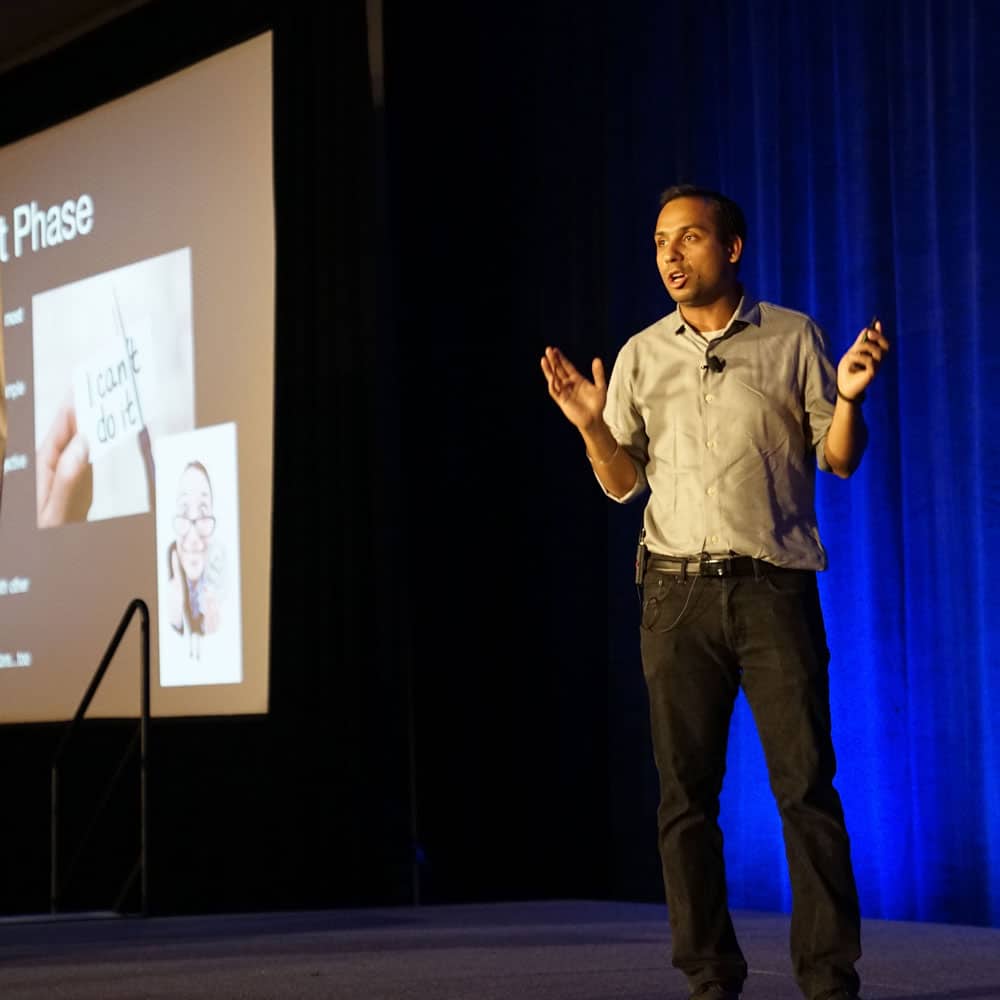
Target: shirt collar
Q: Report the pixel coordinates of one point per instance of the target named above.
(747, 314)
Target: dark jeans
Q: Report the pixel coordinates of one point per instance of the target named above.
(702, 638)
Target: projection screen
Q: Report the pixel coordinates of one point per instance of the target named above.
(137, 267)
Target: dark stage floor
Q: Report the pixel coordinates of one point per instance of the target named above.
(529, 951)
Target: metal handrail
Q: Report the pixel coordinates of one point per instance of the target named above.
(136, 605)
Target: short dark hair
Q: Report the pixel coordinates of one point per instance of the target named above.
(729, 216)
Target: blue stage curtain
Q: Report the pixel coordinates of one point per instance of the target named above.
(863, 139)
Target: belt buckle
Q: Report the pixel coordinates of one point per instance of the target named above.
(714, 567)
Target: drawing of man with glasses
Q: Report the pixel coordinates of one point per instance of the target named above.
(193, 600)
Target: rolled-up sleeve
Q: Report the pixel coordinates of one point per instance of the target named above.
(626, 423)
(820, 397)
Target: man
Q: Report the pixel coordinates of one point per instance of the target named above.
(722, 410)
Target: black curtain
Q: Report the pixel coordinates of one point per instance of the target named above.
(309, 805)
(494, 226)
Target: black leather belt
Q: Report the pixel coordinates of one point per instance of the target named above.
(711, 566)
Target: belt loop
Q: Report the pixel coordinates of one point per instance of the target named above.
(684, 572)
(758, 575)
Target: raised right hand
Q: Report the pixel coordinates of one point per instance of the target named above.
(581, 400)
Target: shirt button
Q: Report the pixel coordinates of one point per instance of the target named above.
(711, 492)
(715, 538)
(710, 444)
(709, 397)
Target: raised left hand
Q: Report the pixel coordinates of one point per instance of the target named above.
(860, 363)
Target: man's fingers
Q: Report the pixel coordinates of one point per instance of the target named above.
(867, 356)
(554, 383)
(861, 361)
(561, 365)
(872, 335)
(559, 372)
(597, 367)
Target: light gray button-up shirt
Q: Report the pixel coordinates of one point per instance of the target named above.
(729, 458)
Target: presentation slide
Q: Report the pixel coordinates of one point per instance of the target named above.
(137, 271)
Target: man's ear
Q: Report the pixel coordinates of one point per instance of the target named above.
(735, 249)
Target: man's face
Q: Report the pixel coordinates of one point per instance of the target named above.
(697, 268)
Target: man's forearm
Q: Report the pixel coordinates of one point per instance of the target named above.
(845, 440)
(610, 461)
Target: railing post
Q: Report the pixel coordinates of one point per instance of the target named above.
(143, 769)
(54, 840)
(144, 716)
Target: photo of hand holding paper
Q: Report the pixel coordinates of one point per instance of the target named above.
(113, 362)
